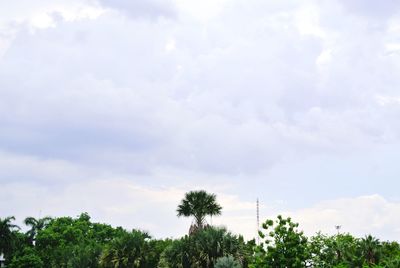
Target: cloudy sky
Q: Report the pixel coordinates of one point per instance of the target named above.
(119, 107)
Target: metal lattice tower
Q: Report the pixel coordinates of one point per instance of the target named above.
(258, 222)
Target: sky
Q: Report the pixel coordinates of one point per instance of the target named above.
(117, 108)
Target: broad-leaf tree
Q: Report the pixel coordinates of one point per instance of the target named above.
(283, 246)
(28, 258)
(73, 242)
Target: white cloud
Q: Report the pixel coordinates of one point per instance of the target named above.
(170, 45)
(126, 202)
(359, 216)
(152, 9)
(116, 201)
(202, 11)
(187, 94)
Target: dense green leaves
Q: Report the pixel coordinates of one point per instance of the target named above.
(199, 204)
(35, 225)
(283, 246)
(203, 248)
(7, 235)
(28, 258)
(67, 242)
(77, 242)
(348, 251)
(127, 250)
(227, 262)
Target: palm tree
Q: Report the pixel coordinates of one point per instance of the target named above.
(6, 234)
(370, 247)
(126, 251)
(199, 204)
(36, 226)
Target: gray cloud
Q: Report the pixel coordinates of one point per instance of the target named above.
(246, 98)
(373, 9)
(207, 102)
(138, 9)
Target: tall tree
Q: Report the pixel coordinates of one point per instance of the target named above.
(36, 226)
(199, 204)
(7, 229)
(370, 248)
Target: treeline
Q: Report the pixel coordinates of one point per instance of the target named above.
(78, 242)
(67, 242)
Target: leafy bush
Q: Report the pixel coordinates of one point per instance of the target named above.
(227, 262)
(28, 259)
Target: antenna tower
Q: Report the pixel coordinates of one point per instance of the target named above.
(258, 222)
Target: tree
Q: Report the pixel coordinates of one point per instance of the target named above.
(347, 249)
(128, 250)
(177, 254)
(203, 248)
(390, 254)
(199, 204)
(28, 259)
(73, 242)
(36, 226)
(154, 250)
(285, 246)
(211, 243)
(341, 250)
(6, 235)
(370, 248)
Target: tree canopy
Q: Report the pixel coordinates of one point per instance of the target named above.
(65, 242)
(199, 204)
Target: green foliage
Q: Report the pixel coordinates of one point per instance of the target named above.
(370, 250)
(283, 246)
(176, 255)
(390, 254)
(67, 242)
(127, 250)
(328, 251)
(27, 259)
(36, 226)
(203, 248)
(344, 250)
(7, 235)
(199, 204)
(227, 262)
(154, 250)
